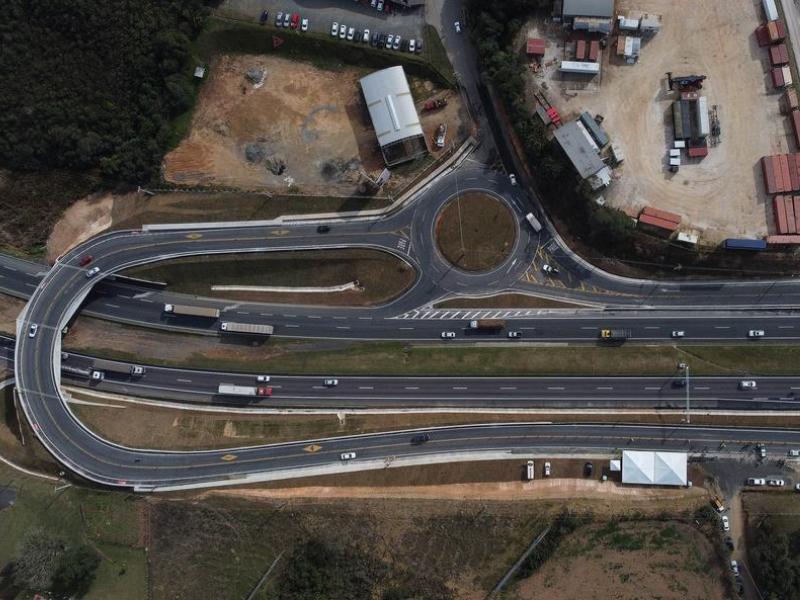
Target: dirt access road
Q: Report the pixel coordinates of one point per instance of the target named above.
(722, 195)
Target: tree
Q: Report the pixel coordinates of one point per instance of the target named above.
(36, 560)
(75, 572)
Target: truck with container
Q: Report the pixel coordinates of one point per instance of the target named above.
(246, 328)
(111, 366)
(229, 389)
(487, 324)
(615, 335)
(191, 311)
(534, 222)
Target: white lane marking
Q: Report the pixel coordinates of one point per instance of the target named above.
(555, 388)
(109, 305)
(313, 317)
(653, 389)
(652, 327)
(721, 327)
(289, 325)
(242, 312)
(185, 380)
(697, 387)
(366, 387)
(604, 387)
(342, 327)
(339, 318)
(459, 387)
(406, 328)
(290, 316)
(146, 300)
(508, 387)
(785, 326)
(265, 314)
(588, 327)
(411, 387)
(365, 318)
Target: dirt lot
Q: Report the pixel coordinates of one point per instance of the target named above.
(313, 120)
(722, 194)
(628, 561)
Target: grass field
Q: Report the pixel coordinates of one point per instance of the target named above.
(505, 301)
(475, 232)
(380, 275)
(107, 521)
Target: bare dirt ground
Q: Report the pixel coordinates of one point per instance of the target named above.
(627, 562)
(313, 120)
(79, 222)
(722, 194)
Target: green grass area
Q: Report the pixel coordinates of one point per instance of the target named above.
(436, 53)
(225, 36)
(505, 301)
(380, 275)
(107, 521)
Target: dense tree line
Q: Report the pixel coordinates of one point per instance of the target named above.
(93, 85)
(775, 560)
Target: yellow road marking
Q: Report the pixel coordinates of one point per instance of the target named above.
(280, 232)
(313, 448)
(229, 457)
(193, 236)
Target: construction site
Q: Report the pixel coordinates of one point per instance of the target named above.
(681, 117)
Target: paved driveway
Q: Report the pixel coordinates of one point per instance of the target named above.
(321, 13)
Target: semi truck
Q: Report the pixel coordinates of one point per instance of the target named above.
(229, 389)
(247, 328)
(612, 335)
(191, 311)
(102, 365)
(487, 324)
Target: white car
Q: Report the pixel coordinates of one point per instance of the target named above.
(446, 335)
(396, 44)
(514, 334)
(512, 178)
(389, 40)
(331, 382)
(756, 481)
(347, 455)
(748, 384)
(797, 487)
(726, 526)
(342, 31)
(263, 379)
(365, 36)
(351, 34)
(335, 29)
(776, 482)
(734, 567)
(304, 25)
(547, 469)
(92, 272)
(794, 453)
(755, 333)
(32, 330)
(678, 334)
(549, 269)
(457, 25)
(412, 45)
(373, 3)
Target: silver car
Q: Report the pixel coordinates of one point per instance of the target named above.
(342, 31)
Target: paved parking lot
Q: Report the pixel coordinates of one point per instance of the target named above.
(322, 13)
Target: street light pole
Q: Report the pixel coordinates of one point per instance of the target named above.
(686, 381)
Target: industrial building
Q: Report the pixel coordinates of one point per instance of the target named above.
(654, 468)
(583, 152)
(592, 16)
(394, 116)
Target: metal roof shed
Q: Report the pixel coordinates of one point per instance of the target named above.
(394, 116)
(587, 8)
(654, 468)
(579, 149)
(595, 130)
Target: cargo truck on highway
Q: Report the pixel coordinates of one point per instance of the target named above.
(246, 328)
(229, 389)
(487, 324)
(102, 366)
(615, 335)
(191, 311)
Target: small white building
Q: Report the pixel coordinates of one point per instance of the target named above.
(654, 468)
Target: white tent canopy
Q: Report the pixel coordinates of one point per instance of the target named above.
(654, 468)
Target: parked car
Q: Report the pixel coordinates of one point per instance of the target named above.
(747, 384)
(412, 45)
(776, 482)
(457, 26)
(263, 378)
(762, 451)
(32, 330)
(588, 469)
(726, 526)
(797, 487)
(547, 469)
(419, 46)
(347, 455)
(335, 29)
(420, 438)
(294, 21)
(365, 36)
(287, 19)
(734, 567)
(380, 5)
(396, 45)
(678, 334)
(446, 335)
(729, 542)
(794, 453)
(279, 19)
(756, 481)
(512, 178)
(85, 260)
(264, 17)
(304, 25)
(514, 334)
(373, 3)
(549, 269)
(374, 40)
(323, 228)
(92, 272)
(351, 34)
(755, 333)
(389, 41)
(331, 382)
(342, 31)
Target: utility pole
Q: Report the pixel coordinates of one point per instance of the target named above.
(685, 368)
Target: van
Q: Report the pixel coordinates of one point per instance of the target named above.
(529, 473)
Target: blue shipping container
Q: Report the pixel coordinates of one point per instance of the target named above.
(733, 244)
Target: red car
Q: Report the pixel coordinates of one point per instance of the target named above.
(264, 390)
(86, 259)
(295, 21)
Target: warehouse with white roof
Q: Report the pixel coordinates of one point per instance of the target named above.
(394, 116)
(654, 468)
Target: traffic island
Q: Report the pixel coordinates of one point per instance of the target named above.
(475, 231)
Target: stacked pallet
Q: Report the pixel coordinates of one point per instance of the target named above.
(787, 214)
(781, 173)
